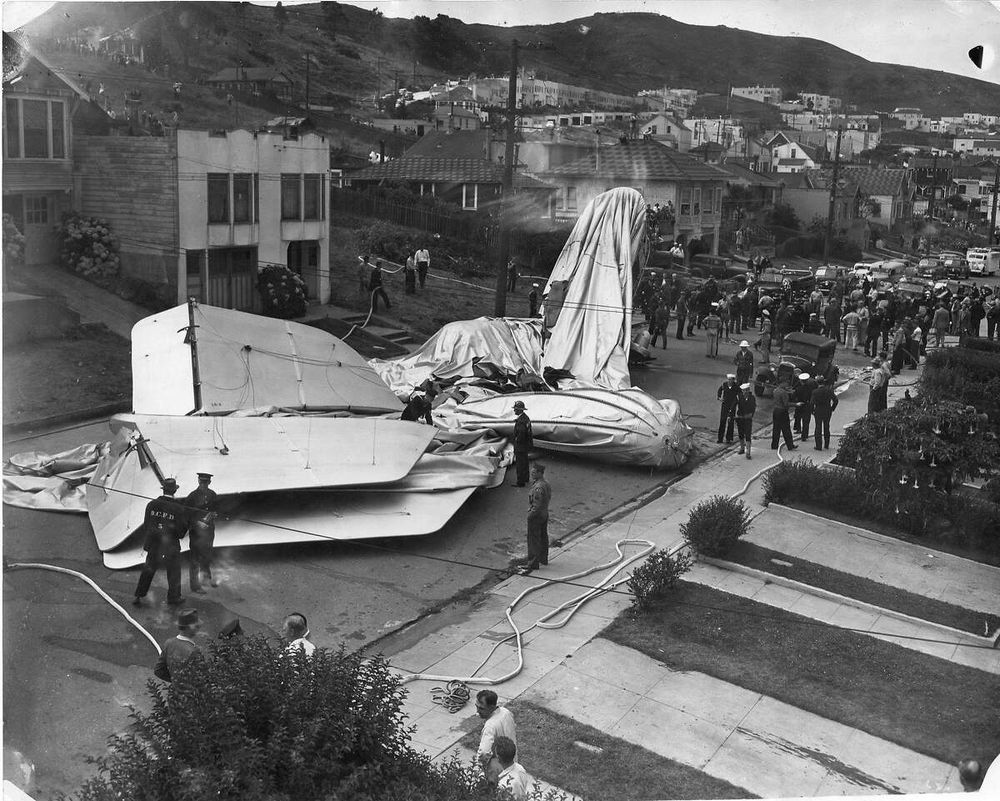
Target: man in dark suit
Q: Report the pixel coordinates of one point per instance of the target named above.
(522, 443)
(178, 650)
(204, 504)
(824, 401)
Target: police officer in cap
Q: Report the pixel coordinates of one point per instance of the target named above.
(522, 443)
(204, 509)
(164, 527)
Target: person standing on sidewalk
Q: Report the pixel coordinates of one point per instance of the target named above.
(682, 312)
(375, 287)
(764, 341)
(746, 406)
(661, 319)
(164, 527)
(499, 723)
(803, 405)
(878, 395)
(410, 276)
(539, 496)
(713, 325)
(423, 260)
(781, 425)
(522, 442)
(204, 504)
(514, 780)
(824, 401)
(511, 275)
(533, 301)
(727, 394)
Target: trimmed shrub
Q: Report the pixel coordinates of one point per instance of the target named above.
(247, 721)
(981, 343)
(282, 291)
(654, 579)
(88, 247)
(966, 375)
(715, 525)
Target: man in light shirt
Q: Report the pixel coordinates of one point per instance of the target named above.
(499, 723)
(295, 629)
(514, 779)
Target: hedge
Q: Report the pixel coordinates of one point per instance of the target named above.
(952, 520)
(968, 375)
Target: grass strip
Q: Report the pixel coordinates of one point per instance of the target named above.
(923, 703)
(863, 589)
(549, 750)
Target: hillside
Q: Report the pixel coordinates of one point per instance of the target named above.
(355, 54)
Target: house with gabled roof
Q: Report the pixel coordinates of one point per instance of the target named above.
(43, 110)
(660, 173)
(890, 189)
(254, 81)
(808, 193)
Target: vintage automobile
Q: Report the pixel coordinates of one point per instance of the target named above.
(931, 268)
(913, 288)
(829, 276)
(800, 353)
(955, 264)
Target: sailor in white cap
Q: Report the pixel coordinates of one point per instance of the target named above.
(746, 405)
(803, 404)
(743, 362)
(727, 413)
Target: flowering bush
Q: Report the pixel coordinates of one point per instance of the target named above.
(282, 291)
(88, 247)
(13, 241)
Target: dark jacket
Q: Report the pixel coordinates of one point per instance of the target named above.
(166, 524)
(522, 433)
(824, 400)
(727, 393)
(746, 405)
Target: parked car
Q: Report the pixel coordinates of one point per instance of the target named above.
(955, 264)
(931, 268)
(830, 276)
(800, 353)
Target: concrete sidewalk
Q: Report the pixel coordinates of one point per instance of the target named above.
(752, 741)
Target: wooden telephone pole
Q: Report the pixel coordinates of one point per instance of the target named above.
(500, 300)
(833, 197)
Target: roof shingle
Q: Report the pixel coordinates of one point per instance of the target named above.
(640, 159)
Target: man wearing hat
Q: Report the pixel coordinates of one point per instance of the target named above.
(522, 443)
(204, 505)
(713, 325)
(178, 650)
(533, 301)
(824, 401)
(780, 424)
(539, 496)
(744, 363)
(803, 404)
(164, 527)
(727, 393)
(878, 395)
(746, 405)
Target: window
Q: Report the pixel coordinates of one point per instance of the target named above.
(36, 209)
(794, 153)
(697, 201)
(256, 197)
(718, 200)
(58, 134)
(685, 202)
(242, 201)
(313, 207)
(36, 128)
(571, 198)
(470, 196)
(12, 130)
(961, 189)
(218, 197)
(291, 192)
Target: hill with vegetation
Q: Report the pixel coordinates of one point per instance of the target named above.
(349, 57)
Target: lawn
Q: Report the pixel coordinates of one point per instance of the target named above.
(862, 589)
(920, 702)
(88, 367)
(594, 765)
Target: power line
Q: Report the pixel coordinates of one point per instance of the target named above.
(374, 546)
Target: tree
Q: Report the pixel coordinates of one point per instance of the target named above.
(783, 216)
(280, 16)
(247, 721)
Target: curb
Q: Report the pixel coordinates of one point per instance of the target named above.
(47, 424)
(792, 584)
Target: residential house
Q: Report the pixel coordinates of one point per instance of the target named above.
(789, 155)
(808, 193)
(470, 183)
(199, 212)
(930, 177)
(254, 81)
(668, 130)
(662, 174)
(42, 111)
(667, 99)
(709, 152)
(762, 94)
(819, 102)
(974, 183)
(542, 149)
(886, 194)
(727, 132)
(910, 117)
(983, 147)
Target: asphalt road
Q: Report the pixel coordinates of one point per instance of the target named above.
(72, 664)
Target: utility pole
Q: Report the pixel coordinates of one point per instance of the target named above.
(500, 301)
(993, 213)
(308, 59)
(833, 197)
(930, 206)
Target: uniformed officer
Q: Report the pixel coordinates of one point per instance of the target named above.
(728, 391)
(533, 301)
(204, 504)
(164, 527)
(539, 497)
(522, 443)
